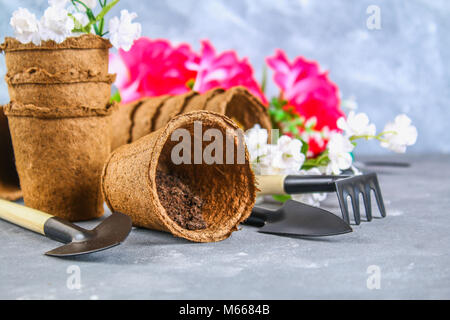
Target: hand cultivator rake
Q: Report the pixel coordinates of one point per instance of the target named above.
(345, 187)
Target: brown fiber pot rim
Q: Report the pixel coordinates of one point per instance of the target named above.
(40, 76)
(14, 109)
(86, 41)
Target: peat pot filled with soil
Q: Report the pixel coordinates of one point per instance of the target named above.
(191, 199)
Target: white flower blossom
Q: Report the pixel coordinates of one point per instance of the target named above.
(283, 158)
(312, 199)
(400, 134)
(339, 149)
(267, 159)
(356, 125)
(26, 26)
(256, 140)
(56, 24)
(288, 158)
(61, 4)
(123, 31)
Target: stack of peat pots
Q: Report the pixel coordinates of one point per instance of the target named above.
(59, 120)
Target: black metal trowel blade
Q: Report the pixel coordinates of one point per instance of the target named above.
(110, 233)
(301, 220)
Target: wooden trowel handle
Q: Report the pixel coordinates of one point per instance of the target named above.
(28, 218)
(296, 184)
(269, 185)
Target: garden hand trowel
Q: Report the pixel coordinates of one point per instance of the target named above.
(111, 232)
(298, 219)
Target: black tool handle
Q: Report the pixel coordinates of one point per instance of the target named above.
(261, 213)
(255, 222)
(258, 217)
(295, 184)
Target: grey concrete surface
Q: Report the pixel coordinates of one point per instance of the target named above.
(401, 68)
(410, 247)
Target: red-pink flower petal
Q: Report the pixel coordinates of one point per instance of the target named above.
(223, 70)
(155, 68)
(307, 89)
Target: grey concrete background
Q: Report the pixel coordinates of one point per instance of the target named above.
(401, 68)
(410, 247)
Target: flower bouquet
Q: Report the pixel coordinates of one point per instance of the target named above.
(59, 114)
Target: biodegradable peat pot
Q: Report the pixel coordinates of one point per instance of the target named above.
(199, 102)
(59, 157)
(228, 190)
(170, 109)
(87, 52)
(242, 107)
(9, 180)
(121, 124)
(68, 93)
(71, 74)
(133, 121)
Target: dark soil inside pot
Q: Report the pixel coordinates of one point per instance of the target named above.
(182, 205)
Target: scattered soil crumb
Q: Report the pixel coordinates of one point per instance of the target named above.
(182, 205)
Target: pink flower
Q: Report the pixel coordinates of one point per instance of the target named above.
(152, 68)
(224, 70)
(307, 89)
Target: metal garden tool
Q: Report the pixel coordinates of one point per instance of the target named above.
(344, 186)
(111, 232)
(298, 219)
(389, 164)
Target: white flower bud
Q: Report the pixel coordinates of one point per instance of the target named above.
(56, 24)
(400, 134)
(26, 26)
(123, 31)
(339, 153)
(356, 125)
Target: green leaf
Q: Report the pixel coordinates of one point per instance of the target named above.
(102, 25)
(190, 84)
(264, 80)
(116, 97)
(105, 10)
(281, 198)
(100, 17)
(305, 147)
(77, 24)
(278, 103)
(320, 161)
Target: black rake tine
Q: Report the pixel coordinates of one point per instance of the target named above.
(342, 197)
(367, 203)
(378, 196)
(355, 206)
